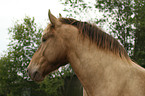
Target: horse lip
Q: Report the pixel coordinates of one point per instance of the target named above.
(35, 73)
(37, 77)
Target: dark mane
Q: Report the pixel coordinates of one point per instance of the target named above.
(96, 35)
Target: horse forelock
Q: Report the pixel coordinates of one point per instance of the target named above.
(96, 35)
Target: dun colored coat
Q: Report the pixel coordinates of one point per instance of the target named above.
(100, 62)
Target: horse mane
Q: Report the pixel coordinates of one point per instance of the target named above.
(96, 35)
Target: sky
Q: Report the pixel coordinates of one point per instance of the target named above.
(13, 10)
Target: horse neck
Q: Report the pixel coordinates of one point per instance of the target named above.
(92, 65)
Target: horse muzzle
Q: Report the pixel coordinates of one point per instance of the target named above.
(35, 75)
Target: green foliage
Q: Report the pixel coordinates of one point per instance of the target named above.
(5, 82)
(79, 9)
(139, 22)
(24, 42)
(52, 85)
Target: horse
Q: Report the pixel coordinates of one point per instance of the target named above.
(99, 60)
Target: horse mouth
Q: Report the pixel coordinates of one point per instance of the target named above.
(37, 76)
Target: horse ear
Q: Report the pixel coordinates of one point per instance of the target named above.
(54, 21)
(60, 16)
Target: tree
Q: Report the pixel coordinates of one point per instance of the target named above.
(7, 77)
(139, 22)
(24, 42)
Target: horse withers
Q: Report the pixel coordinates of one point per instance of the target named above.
(100, 62)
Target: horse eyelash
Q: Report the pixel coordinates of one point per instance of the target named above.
(49, 36)
(43, 39)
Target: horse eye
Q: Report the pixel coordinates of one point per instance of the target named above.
(49, 36)
(43, 39)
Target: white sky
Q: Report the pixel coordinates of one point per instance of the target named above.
(12, 10)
